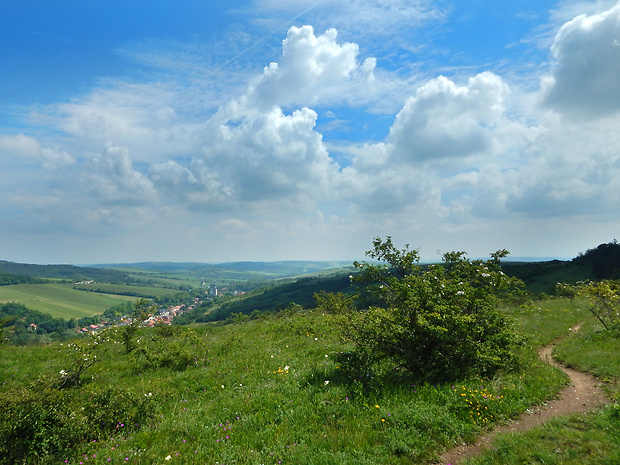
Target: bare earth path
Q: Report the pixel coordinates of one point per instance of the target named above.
(581, 395)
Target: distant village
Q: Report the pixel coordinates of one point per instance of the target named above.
(164, 316)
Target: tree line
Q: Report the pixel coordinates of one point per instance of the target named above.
(6, 279)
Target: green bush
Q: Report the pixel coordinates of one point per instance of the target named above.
(41, 422)
(143, 308)
(168, 347)
(605, 303)
(37, 422)
(112, 409)
(441, 322)
(338, 303)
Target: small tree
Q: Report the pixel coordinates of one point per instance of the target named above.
(605, 302)
(438, 321)
(329, 302)
(6, 328)
(143, 308)
(567, 290)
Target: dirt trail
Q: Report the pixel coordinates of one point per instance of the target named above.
(581, 395)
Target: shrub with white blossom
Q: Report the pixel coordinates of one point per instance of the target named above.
(440, 321)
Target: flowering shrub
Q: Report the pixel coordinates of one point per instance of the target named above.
(42, 421)
(604, 302)
(439, 321)
(80, 355)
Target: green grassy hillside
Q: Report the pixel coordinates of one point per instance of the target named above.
(125, 290)
(601, 262)
(60, 300)
(284, 389)
(273, 298)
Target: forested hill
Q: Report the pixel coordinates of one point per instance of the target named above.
(235, 270)
(66, 272)
(602, 262)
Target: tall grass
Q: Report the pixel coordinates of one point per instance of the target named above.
(285, 390)
(592, 438)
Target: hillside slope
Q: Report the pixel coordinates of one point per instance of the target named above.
(601, 262)
(66, 272)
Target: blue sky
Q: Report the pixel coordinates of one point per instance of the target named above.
(273, 130)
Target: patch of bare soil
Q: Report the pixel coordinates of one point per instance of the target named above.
(581, 395)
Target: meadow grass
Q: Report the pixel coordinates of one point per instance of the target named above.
(592, 438)
(128, 290)
(60, 300)
(592, 350)
(543, 321)
(288, 390)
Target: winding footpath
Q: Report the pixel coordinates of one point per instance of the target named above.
(581, 395)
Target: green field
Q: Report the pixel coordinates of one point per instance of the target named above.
(60, 300)
(126, 290)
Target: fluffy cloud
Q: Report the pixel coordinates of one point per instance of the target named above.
(311, 68)
(112, 179)
(18, 146)
(173, 182)
(586, 81)
(574, 170)
(445, 120)
(252, 152)
(459, 160)
(267, 156)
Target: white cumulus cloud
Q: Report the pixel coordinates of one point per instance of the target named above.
(266, 156)
(112, 180)
(586, 80)
(446, 120)
(311, 68)
(21, 146)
